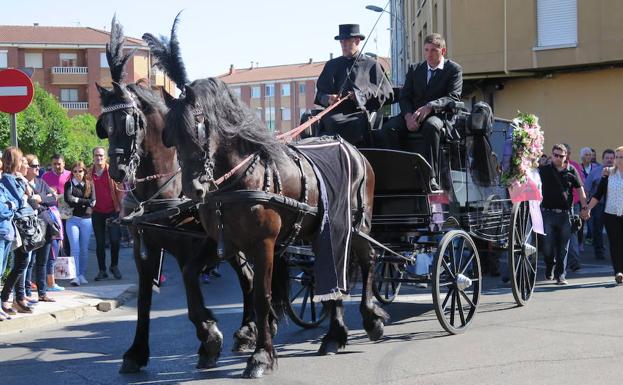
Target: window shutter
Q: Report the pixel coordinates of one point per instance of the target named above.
(557, 22)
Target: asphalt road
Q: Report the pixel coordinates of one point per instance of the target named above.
(566, 335)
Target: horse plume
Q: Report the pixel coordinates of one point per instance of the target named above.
(167, 53)
(114, 52)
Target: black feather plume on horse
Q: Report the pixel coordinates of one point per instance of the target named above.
(114, 52)
(168, 55)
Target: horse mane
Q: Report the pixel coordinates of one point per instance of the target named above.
(151, 100)
(114, 52)
(168, 55)
(229, 118)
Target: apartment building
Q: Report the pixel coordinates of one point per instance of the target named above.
(559, 59)
(279, 94)
(68, 61)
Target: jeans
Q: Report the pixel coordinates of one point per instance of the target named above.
(49, 268)
(38, 263)
(614, 228)
(597, 216)
(79, 232)
(114, 230)
(556, 242)
(5, 248)
(16, 276)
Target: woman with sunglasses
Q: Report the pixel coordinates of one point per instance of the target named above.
(42, 200)
(610, 188)
(80, 196)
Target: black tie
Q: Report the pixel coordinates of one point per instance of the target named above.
(432, 74)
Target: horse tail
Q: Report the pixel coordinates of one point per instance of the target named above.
(280, 286)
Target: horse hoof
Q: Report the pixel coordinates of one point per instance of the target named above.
(129, 366)
(255, 371)
(376, 332)
(328, 348)
(206, 362)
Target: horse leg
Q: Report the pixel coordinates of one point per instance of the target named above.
(264, 358)
(337, 335)
(137, 355)
(246, 335)
(373, 315)
(205, 324)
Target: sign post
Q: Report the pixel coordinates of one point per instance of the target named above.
(16, 93)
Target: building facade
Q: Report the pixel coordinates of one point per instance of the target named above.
(280, 94)
(559, 59)
(68, 61)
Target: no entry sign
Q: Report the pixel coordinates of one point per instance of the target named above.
(16, 91)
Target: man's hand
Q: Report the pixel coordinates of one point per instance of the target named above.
(585, 214)
(333, 98)
(411, 122)
(422, 113)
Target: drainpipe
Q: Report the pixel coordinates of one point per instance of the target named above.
(505, 42)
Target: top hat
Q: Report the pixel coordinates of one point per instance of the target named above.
(349, 30)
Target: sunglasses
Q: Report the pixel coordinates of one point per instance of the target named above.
(34, 166)
(558, 156)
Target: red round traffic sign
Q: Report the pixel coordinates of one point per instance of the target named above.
(16, 91)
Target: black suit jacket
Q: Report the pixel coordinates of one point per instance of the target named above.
(444, 87)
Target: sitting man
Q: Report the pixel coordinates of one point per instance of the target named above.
(358, 74)
(431, 84)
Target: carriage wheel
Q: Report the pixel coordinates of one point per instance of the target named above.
(456, 281)
(384, 286)
(302, 309)
(522, 254)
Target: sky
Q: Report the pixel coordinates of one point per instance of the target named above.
(215, 34)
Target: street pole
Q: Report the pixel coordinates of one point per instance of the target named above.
(13, 122)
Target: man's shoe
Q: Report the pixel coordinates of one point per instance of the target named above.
(115, 272)
(575, 267)
(562, 281)
(434, 187)
(619, 278)
(101, 276)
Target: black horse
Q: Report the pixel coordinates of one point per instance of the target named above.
(216, 135)
(133, 119)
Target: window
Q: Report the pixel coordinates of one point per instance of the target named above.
(269, 117)
(33, 60)
(270, 90)
(4, 59)
(557, 23)
(258, 112)
(68, 59)
(69, 95)
(236, 91)
(285, 89)
(255, 92)
(285, 113)
(301, 88)
(103, 60)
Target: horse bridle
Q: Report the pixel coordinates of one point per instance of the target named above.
(200, 142)
(131, 125)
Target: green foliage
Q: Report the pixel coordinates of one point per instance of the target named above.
(45, 129)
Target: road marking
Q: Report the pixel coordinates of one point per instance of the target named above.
(14, 91)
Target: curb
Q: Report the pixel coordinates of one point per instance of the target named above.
(66, 315)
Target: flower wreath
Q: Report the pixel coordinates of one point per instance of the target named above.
(527, 145)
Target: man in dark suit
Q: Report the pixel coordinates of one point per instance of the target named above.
(361, 76)
(431, 84)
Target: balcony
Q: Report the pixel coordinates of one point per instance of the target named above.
(69, 75)
(75, 105)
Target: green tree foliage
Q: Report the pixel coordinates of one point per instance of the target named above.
(45, 129)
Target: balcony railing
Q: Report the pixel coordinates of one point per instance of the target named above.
(70, 70)
(75, 105)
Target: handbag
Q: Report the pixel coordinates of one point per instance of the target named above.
(32, 231)
(65, 268)
(576, 223)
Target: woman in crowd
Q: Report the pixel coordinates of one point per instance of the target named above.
(19, 192)
(80, 195)
(7, 233)
(610, 188)
(42, 199)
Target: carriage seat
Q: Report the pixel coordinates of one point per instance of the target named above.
(398, 172)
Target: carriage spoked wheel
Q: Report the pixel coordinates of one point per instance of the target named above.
(522, 254)
(456, 281)
(302, 309)
(384, 285)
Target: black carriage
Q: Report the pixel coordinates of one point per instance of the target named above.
(434, 238)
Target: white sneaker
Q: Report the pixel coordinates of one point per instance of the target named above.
(82, 279)
(75, 282)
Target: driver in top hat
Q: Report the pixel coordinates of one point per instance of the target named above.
(361, 76)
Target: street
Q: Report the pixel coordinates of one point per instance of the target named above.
(566, 335)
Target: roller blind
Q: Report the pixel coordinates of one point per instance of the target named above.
(557, 22)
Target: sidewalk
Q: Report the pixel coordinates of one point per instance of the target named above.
(80, 301)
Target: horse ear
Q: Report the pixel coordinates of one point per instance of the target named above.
(102, 91)
(190, 96)
(168, 98)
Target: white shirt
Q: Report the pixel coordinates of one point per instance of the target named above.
(614, 199)
(430, 69)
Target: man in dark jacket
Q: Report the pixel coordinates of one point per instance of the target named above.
(431, 84)
(358, 74)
